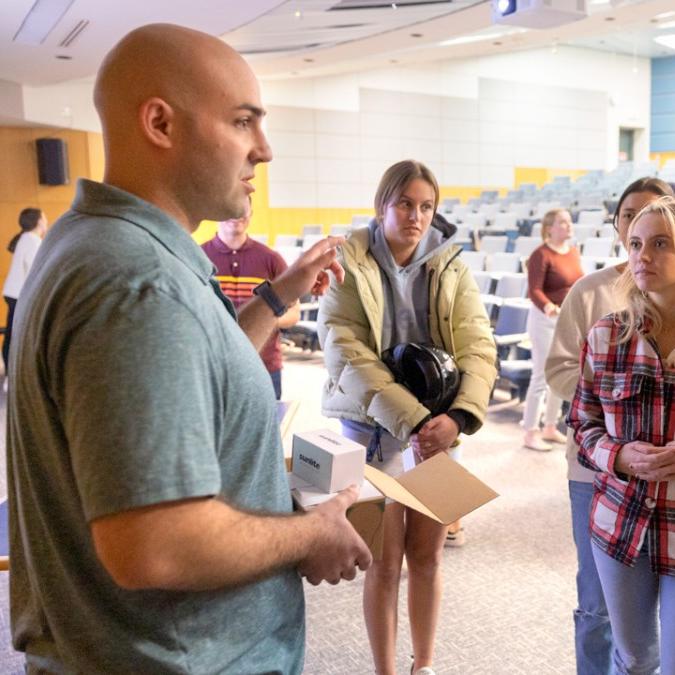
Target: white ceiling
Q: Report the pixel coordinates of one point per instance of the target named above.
(621, 26)
(109, 20)
(314, 37)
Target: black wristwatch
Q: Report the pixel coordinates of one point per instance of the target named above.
(266, 292)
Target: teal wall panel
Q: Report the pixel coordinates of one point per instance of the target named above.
(662, 134)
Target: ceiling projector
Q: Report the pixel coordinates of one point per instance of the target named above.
(538, 13)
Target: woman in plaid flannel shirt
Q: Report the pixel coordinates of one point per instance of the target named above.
(623, 415)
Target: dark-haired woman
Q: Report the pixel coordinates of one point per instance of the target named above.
(404, 282)
(23, 246)
(591, 298)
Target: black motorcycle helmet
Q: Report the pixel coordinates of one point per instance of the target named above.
(428, 372)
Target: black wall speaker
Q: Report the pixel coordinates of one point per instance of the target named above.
(52, 156)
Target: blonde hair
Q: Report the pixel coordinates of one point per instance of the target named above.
(395, 180)
(547, 222)
(640, 312)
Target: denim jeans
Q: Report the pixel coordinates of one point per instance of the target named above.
(592, 632)
(638, 600)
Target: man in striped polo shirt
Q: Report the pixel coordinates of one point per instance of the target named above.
(242, 263)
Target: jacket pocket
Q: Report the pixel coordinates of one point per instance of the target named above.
(622, 403)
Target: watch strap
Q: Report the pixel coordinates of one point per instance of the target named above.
(266, 292)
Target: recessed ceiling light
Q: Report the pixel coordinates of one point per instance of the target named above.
(466, 39)
(308, 60)
(416, 35)
(610, 18)
(497, 43)
(64, 57)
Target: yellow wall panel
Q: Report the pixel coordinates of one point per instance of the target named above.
(540, 175)
(274, 221)
(95, 156)
(661, 157)
(465, 193)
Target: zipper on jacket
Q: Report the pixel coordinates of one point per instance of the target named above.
(429, 313)
(438, 308)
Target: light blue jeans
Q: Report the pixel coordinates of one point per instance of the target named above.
(638, 601)
(592, 631)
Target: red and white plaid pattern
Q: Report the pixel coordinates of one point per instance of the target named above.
(625, 394)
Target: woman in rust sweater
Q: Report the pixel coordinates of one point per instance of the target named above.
(551, 270)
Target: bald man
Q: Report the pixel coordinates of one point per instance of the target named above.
(149, 511)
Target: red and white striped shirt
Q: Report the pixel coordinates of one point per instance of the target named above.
(626, 394)
(239, 271)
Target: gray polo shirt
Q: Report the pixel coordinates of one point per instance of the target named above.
(131, 384)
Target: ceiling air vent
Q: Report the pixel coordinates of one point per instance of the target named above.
(383, 4)
(274, 50)
(75, 32)
(339, 26)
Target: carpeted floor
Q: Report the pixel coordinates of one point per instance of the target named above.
(508, 593)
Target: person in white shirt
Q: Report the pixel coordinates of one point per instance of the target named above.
(23, 246)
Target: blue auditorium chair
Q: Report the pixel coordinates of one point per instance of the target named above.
(510, 332)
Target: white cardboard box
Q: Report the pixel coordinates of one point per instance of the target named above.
(327, 460)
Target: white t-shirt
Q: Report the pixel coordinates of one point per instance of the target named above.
(22, 260)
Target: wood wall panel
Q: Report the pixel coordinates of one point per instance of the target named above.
(19, 185)
(18, 165)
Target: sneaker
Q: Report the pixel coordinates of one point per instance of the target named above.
(424, 671)
(455, 539)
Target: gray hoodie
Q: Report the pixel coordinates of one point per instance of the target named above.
(406, 294)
